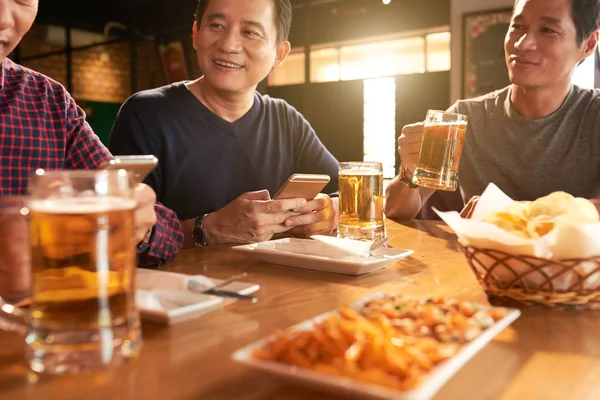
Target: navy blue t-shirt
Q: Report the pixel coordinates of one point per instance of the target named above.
(206, 162)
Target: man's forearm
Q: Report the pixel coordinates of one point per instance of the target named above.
(404, 203)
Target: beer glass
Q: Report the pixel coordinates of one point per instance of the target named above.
(361, 200)
(441, 148)
(82, 313)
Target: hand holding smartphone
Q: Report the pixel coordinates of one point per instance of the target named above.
(137, 166)
(306, 186)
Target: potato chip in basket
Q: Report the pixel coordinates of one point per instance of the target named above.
(533, 219)
(507, 221)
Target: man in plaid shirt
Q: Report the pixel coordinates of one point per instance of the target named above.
(42, 127)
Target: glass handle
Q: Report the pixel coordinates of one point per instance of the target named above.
(12, 318)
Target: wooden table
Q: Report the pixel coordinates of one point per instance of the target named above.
(545, 354)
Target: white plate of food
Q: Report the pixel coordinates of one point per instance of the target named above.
(379, 347)
(320, 256)
(163, 297)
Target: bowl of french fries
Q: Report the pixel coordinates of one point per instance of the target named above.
(540, 252)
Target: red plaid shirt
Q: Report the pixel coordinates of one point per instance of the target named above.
(42, 127)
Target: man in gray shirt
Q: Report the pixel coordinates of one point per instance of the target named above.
(538, 135)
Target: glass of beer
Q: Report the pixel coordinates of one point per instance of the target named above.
(82, 313)
(361, 200)
(441, 148)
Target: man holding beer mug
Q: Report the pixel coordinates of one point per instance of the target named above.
(225, 148)
(42, 127)
(536, 136)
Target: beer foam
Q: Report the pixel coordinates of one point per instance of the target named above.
(81, 205)
(363, 172)
(445, 123)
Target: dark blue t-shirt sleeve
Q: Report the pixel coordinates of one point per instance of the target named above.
(132, 135)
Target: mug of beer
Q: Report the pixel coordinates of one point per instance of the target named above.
(361, 200)
(82, 313)
(441, 148)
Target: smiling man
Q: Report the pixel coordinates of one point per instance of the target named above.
(538, 135)
(223, 147)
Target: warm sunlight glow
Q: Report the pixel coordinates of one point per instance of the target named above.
(291, 72)
(438, 51)
(324, 65)
(382, 57)
(389, 58)
(380, 123)
(584, 74)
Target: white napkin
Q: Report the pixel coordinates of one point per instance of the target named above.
(321, 246)
(359, 248)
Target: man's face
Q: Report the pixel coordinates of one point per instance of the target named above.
(540, 47)
(16, 17)
(236, 43)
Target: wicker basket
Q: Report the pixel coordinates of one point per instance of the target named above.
(532, 280)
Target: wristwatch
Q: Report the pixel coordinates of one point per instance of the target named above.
(405, 179)
(199, 234)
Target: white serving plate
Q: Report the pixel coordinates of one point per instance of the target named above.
(431, 383)
(171, 306)
(315, 255)
(161, 296)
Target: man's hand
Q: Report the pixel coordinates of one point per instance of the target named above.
(467, 210)
(409, 145)
(252, 217)
(318, 217)
(144, 217)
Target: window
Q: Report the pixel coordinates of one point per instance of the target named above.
(325, 65)
(378, 57)
(389, 58)
(438, 51)
(291, 72)
(410, 54)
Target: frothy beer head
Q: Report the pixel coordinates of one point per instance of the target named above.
(361, 172)
(81, 205)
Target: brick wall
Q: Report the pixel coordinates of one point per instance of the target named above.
(101, 73)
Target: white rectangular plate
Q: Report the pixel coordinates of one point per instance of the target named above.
(425, 390)
(162, 298)
(303, 253)
(171, 306)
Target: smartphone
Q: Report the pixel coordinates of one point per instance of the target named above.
(306, 186)
(138, 167)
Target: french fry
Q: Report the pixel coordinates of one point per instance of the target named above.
(355, 350)
(295, 357)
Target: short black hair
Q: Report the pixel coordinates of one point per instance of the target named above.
(586, 16)
(283, 17)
